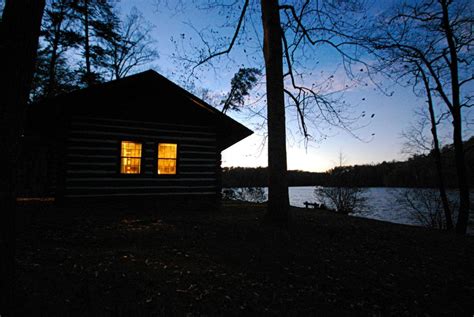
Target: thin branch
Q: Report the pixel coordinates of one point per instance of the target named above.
(232, 42)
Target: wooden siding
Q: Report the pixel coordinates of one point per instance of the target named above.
(92, 165)
(36, 170)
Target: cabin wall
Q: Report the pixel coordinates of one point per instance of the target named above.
(36, 169)
(92, 161)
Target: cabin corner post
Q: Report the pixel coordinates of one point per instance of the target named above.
(62, 135)
(218, 178)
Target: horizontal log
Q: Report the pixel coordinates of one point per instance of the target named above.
(171, 190)
(185, 145)
(92, 156)
(138, 128)
(195, 194)
(91, 140)
(91, 172)
(144, 188)
(140, 123)
(90, 164)
(197, 153)
(200, 160)
(198, 173)
(127, 178)
(183, 169)
(197, 165)
(127, 136)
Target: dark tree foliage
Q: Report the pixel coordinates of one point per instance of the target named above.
(341, 192)
(53, 75)
(258, 177)
(107, 48)
(48, 82)
(131, 47)
(417, 171)
(241, 84)
(97, 25)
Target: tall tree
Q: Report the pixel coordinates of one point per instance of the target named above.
(99, 24)
(59, 35)
(283, 43)
(436, 150)
(438, 35)
(53, 73)
(19, 33)
(416, 140)
(278, 200)
(132, 46)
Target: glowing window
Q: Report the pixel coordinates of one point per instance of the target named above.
(167, 155)
(130, 157)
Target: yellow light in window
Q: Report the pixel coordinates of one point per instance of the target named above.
(167, 156)
(131, 157)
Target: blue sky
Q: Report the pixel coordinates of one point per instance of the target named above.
(381, 140)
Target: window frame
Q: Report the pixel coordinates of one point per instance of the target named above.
(119, 160)
(156, 159)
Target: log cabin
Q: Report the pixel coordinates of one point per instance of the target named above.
(139, 138)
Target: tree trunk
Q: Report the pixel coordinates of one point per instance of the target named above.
(464, 203)
(464, 208)
(437, 155)
(20, 27)
(87, 49)
(439, 169)
(278, 201)
(52, 86)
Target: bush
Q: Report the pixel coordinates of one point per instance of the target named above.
(424, 206)
(342, 192)
(253, 194)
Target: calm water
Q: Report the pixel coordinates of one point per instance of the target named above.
(382, 204)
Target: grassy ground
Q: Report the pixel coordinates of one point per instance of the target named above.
(121, 263)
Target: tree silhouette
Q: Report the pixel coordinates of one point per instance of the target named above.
(436, 37)
(97, 24)
(241, 84)
(341, 189)
(131, 47)
(287, 30)
(53, 74)
(19, 32)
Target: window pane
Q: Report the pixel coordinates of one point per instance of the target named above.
(166, 166)
(130, 165)
(167, 155)
(130, 157)
(131, 149)
(167, 150)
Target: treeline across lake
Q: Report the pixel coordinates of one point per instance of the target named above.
(258, 177)
(416, 171)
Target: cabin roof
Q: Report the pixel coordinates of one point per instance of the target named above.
(146, 96)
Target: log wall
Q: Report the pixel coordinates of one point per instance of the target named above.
(92, 160)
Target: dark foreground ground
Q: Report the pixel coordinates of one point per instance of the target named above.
(119, 263)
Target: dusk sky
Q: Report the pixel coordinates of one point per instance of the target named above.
(378, 140)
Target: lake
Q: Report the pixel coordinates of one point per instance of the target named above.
(382, 204)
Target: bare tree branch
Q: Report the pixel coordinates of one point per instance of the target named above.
(232, 41)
